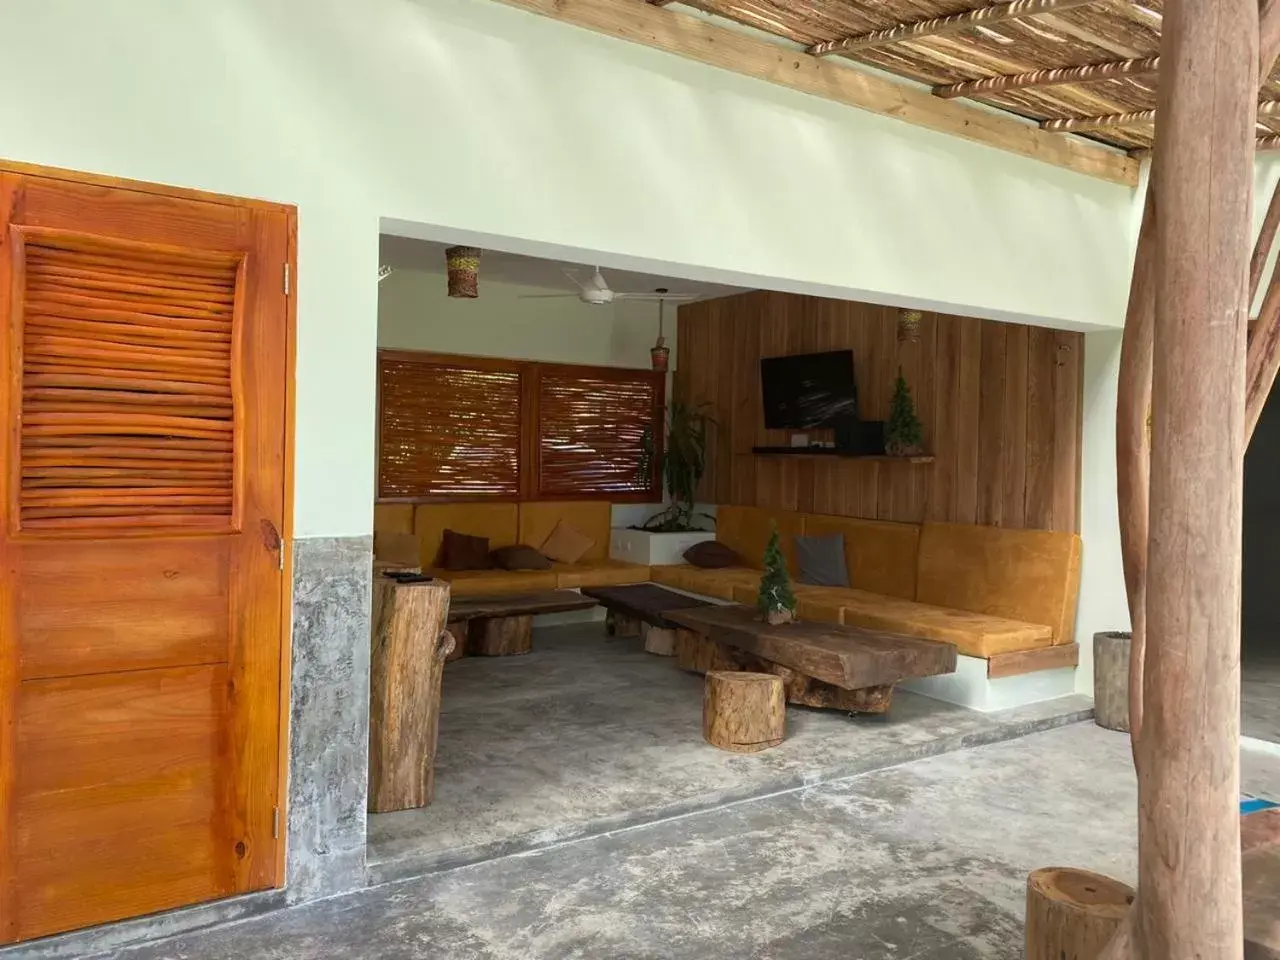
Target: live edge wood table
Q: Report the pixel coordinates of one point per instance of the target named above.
(821, 664)
(503, 626)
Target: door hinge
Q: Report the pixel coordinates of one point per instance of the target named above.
(286, 279)
(275, 823)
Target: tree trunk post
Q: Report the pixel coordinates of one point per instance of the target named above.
(1133, 448)
(1189, 906)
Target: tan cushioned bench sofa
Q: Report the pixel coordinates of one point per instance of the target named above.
(988, 590)
(505, 524)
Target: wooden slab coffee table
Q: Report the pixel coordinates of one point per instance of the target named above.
(638, 610)
(821, 664)
(503, 625)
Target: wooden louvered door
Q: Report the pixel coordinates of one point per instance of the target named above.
(145, 342)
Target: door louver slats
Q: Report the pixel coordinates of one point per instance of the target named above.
(128, 415)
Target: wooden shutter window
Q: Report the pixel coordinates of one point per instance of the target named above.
(127, 411)
(447, 431)
(592, 430)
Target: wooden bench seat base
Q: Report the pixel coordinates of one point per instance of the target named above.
(698, 654)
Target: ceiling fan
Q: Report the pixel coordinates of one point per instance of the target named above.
(596, 290)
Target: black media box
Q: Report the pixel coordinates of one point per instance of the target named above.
(864, 438)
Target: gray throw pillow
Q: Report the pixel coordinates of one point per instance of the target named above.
(821, 560)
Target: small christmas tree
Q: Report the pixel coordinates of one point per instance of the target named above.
(776, 602)
(903, 434)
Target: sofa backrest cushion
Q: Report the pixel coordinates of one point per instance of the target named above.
(880, 556)
(393, 518)
(495, 521)
(747, 529)
(591, 518)
(1029, 575)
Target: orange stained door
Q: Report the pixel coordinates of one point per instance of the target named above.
(143, 396)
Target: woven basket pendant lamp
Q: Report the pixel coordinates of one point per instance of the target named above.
(660, 353)
(909, 326)
(463, 264)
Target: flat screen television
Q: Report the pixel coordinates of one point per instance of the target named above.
(808, 390)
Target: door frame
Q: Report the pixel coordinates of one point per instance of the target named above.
(278, 877)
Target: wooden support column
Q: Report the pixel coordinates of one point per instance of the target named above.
(1133, 448)
(1189, 906)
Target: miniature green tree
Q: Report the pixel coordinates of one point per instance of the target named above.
(903, 435)
(775, 602)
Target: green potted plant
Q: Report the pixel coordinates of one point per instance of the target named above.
(775, 602)
(683, 462)
(903, 434)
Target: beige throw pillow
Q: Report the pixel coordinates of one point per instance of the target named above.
(566, 545)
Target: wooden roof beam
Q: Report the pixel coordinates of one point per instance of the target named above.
(1048, 78)
(1267, 108)
(982, 17)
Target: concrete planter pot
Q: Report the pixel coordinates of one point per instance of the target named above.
(1111, 679)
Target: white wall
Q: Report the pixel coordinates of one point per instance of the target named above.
(416, 313)
(1103, 604)
(441, 116)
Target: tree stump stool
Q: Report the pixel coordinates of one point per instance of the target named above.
(1111, 680)
(500, 637)
(743, 712)
(1073, 914)
(459, 630)
(620, 625)
(659, 641)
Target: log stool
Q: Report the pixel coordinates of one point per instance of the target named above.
(1073, 914)
(659, 640)
(743, 712)
(500, 637)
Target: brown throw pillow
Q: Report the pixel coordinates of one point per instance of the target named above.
(458, 551)
(566, 545)
(712, 555)
(518, 557)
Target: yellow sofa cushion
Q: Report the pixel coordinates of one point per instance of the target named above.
(496, 583)
(1027, 575)
(599, 573)
(497, 521)
(710, 583)
(668, 574)
(747, 531)
(396, 548)
(974, 634)
(881, 556)
(393, 518)
(588, 517)
(809, 606)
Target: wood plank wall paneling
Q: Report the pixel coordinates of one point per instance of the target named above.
(1000, 405)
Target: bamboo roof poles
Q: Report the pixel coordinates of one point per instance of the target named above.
(983, 16)
(1141, 67)
(1088, 68)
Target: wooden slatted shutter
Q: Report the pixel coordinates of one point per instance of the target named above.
(127, 415)
(448, 430)
(593, 428)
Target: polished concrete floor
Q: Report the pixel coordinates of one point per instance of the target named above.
(1260, 694)
(924, 861)
(589, 733)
